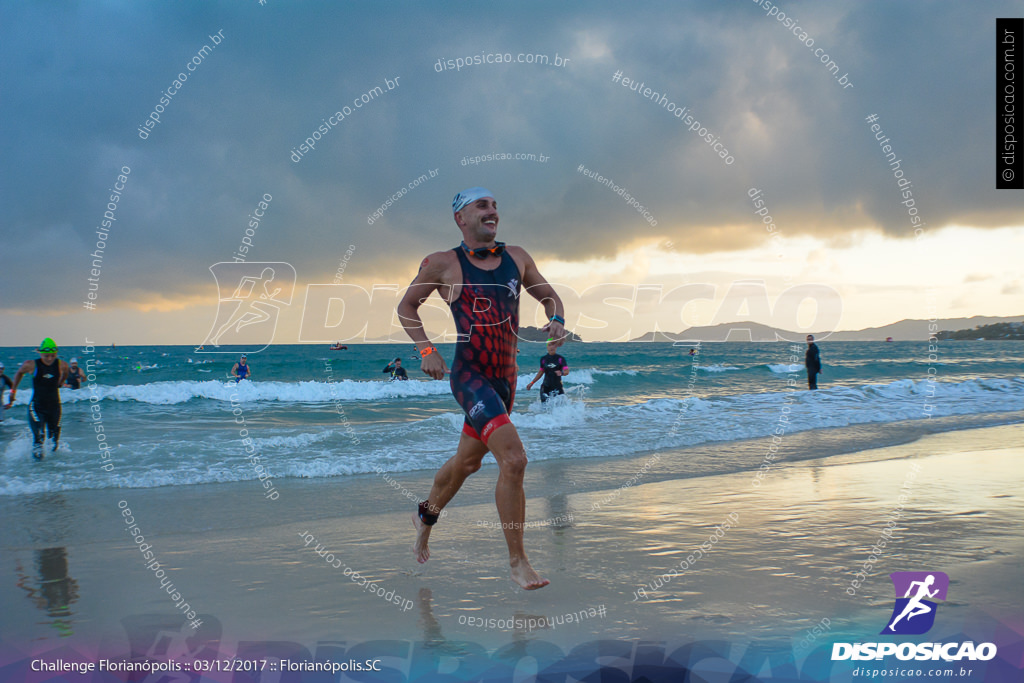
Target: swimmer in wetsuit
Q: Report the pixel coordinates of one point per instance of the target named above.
(241, 370)
(554, 368)
(481, 281)
(396, 370)
(44, 410)
(75, 376)
(5, 383)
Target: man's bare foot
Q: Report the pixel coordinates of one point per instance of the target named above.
(420, 548)
(526, 577)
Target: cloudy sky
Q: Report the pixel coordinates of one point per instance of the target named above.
(81, 79)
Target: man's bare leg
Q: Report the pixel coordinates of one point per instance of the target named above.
(447, 482)
(511, 501)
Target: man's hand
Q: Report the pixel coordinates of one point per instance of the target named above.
(433, 365)
(556, 331)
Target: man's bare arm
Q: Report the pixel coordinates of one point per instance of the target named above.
(433, 276)
(542, 291)
(429, 279)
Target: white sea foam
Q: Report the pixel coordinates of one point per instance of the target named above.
(717, 368)
(567, 427)
(175, 392)
(785, 367)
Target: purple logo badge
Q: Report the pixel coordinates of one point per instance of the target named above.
(914, 611)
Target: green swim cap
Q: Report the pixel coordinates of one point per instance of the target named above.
(48, 346)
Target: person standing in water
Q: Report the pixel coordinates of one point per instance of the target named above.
(396, 370)
(75, 376)
(481, 280)
(5, 383)
(44, 410)
(812, 360)
(241, 370)
(554, 368)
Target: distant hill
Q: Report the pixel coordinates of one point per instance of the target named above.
(733, 332)
(917, 330)
(904, 330)
(996, 331)
(535, 334)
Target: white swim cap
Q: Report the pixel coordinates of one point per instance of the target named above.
(469, 196)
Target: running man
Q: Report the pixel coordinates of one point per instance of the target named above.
(241, 370)
(915, 607)
(48, 373)
(554, 368)
(481, 280)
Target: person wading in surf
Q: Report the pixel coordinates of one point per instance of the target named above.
(44, 410)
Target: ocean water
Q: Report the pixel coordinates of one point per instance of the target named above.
(173, 416)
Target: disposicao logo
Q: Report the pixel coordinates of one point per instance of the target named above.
(914, 614)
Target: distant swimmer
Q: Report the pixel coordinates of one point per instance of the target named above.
(554, 368)
(75, 376)
(241, 370)
(481, 280)
(5, 383)
(693, 352)
(44, 411)
(396, 370)
(812, 359)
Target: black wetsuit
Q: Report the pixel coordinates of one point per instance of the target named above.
(397, 372)
(812, 359)
(552, 364)
(5, 381)
(483, 376)
(75, 377)
(44, 408)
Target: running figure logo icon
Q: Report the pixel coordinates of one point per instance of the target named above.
(247, 316)
(913, 614)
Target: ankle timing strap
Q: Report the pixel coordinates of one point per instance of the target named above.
(425, 515)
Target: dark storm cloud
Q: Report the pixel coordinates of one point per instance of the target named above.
(80, 80)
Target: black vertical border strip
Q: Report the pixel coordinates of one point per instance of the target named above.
(1009, 40)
